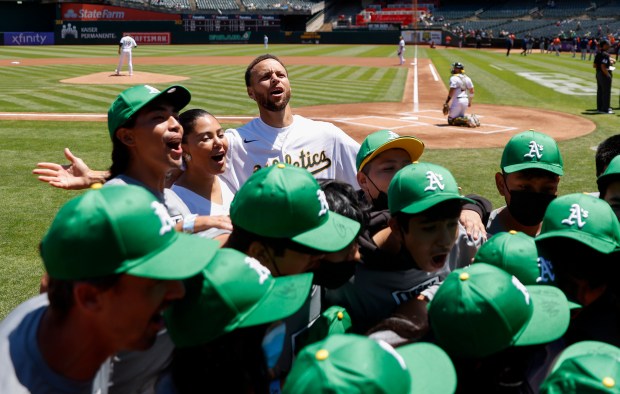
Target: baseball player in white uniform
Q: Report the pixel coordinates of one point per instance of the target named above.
(462, 95)
(278, 136)
(401, 50)
(125, 47)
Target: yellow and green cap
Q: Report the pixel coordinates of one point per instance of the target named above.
(583, 218)
(531, 149)
(382, 140)
(348, 363)
(420, 186)
(284, 201)
(494, 311)
(587, 367)
(120, 230)
(135, 98)
(233, 291)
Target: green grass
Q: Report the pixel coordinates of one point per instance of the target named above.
(29, 206)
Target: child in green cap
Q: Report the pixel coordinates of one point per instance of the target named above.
(531, 167)
(424, 204)
(580, 236)
(609, 185)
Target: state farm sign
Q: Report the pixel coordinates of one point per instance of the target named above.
(94, 12)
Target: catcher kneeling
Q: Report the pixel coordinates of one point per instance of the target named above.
(462, 95)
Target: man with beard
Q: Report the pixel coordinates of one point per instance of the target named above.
(278, 136)
(531, 169)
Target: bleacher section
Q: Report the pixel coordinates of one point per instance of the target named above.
(222, 5)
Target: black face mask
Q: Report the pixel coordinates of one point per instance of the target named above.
(616, 209)
(381, 202)
(528, 208)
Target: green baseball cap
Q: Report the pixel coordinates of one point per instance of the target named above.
(135, 98)
(120, 230)
(334, 320)
(382, 140)
(611, 174)
(494, 311)
(420, 186)
(531, 149)
(284, 201)
(583, 368)
(514, 252)
(234, 291)
(347, 363)
(583, 218)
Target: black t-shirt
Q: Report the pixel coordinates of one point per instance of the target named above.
(601, 58)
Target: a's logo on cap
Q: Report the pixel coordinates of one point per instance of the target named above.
(152, 90)
(546, 271)
(323, 200)
(577, 214)
(262, 271)
(434, 181)
(522, 289)
(535, 150)
(165, 219)
(392, 135)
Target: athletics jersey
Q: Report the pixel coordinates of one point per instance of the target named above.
(320, 147)
(127, 43)
(462, 83)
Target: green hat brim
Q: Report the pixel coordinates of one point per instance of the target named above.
(431, 201)
(430, 368)
(550, 316)
(285, 297)
(584, 348)
(334, 234)
(177, 95)
(596, 243)
(412, 145)
(534, 165)
(185, 256)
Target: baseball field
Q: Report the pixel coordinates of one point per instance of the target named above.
(57, 96)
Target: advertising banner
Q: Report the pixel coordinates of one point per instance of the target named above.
(28, 38)
(159, 38)
(87, 33)
(96, 12)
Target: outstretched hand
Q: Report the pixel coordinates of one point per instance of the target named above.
(73, 176)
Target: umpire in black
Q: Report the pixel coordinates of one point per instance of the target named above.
(602, 62)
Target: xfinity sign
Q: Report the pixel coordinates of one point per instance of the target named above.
(28, 38)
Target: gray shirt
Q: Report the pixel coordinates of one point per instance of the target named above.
(24, 369)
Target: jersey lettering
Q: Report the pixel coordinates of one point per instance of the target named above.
(535, 150)
(434, 181)
(165, 219)
(577, 214)
(402, 296)
(314, 163)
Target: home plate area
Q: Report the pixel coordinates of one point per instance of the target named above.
(411, 122)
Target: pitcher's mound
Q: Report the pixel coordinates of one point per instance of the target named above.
(109, 78)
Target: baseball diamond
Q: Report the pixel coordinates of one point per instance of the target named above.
(358, 120)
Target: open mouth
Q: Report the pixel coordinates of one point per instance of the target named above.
(439, 260)
(174, 144)
(218, 158)
(277, 92)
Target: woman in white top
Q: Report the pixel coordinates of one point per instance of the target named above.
(204, 154)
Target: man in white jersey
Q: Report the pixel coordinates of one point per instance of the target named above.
(462, 93)
(125, 48)
(401, 50)
(278, 136)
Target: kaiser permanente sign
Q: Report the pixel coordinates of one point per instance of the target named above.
(95, 12)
